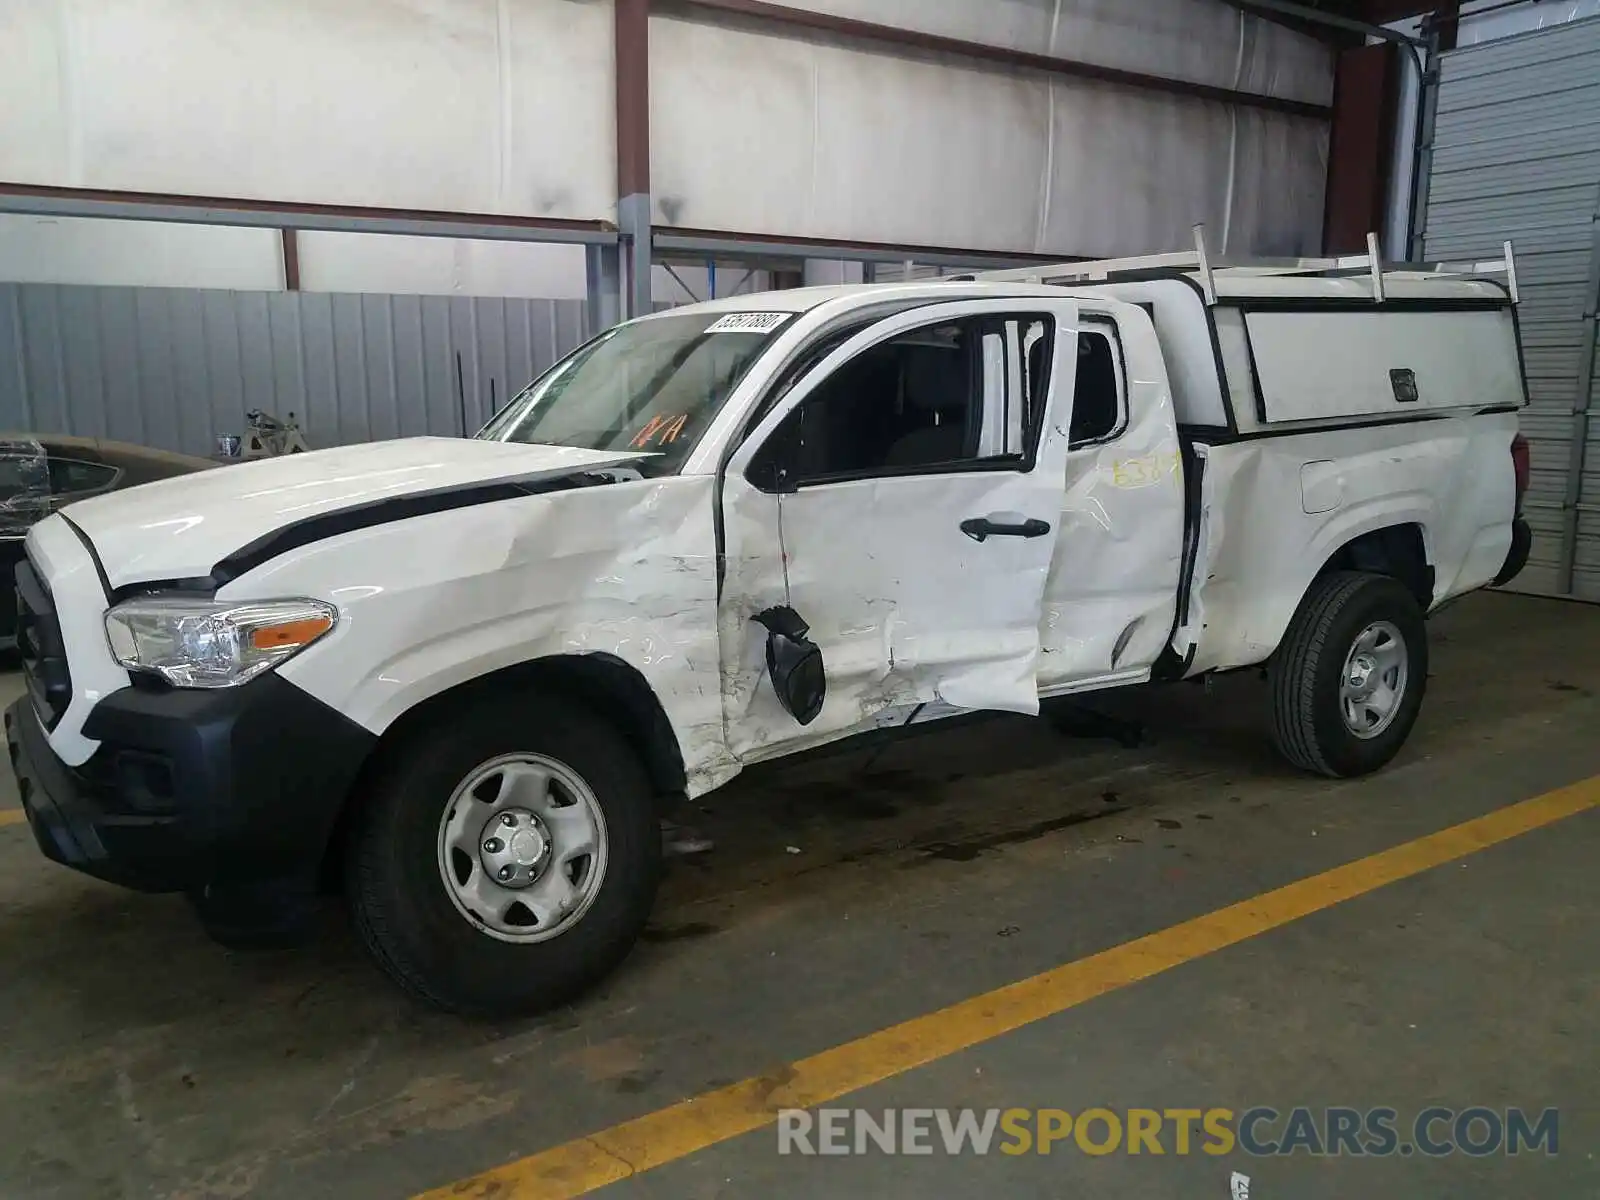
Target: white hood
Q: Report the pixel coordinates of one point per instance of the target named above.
(180, 528)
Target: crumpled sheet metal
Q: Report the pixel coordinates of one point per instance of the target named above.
(1112, 592)
(1263, 548)
(887, 648)
(911, 611)
(626, 569)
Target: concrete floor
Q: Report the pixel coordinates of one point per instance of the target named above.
(137, 1060)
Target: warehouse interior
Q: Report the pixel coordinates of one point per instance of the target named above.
(383, 219)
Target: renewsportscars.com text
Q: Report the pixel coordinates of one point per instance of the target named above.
(1261, 1131)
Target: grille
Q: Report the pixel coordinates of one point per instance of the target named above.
(39, 645)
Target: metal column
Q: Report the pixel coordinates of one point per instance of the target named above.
(633, 221)
(633, 151)
(603, 275)
(1427, 63)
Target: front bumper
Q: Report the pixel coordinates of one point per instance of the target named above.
(192, 790)
(1517, 557)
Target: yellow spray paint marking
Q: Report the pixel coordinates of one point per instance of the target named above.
(1146, 471)
(11, 816)
(655, 1139)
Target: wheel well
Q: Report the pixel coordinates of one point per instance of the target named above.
(603, 682)
(1398, 551)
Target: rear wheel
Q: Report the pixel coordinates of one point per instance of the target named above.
(1348, 679)
(507, 860)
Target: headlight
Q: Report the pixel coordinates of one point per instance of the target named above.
(195, 643)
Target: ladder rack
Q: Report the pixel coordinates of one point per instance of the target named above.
(1202, 263)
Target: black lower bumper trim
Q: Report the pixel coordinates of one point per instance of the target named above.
(195, 791)
(74, 832)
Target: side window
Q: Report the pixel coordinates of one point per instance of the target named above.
(1099, 396)
(955, 395)
(69, 475)
(796, 370)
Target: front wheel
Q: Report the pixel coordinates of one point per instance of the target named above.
(1348, 679)
(507, 859)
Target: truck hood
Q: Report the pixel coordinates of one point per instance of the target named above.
(181, 528)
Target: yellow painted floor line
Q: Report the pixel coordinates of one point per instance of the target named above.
(11, 816)
(584, 1164)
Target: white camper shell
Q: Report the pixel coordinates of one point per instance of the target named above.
(735, 531)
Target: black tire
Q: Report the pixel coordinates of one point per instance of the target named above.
(1306, 672)
(402, 910)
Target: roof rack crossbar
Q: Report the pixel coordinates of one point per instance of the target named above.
(1208, 280)
(1209, 267)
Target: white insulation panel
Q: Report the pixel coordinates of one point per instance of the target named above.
(138, 253)
(507, 106)
(1203, 41)
(492, 106)
(758, 132)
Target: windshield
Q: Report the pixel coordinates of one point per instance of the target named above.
(650, 385)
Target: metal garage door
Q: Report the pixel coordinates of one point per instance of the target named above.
(1516, 154)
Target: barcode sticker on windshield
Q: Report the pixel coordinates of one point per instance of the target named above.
(748, 322)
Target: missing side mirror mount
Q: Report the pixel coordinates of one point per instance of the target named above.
(794, 663)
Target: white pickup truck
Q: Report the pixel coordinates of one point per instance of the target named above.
(465, 678)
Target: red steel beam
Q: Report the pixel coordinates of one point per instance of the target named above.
(1366, 100)
(291, 259)
(633, 96)
(221, 210)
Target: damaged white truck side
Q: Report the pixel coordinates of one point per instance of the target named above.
(464, 678)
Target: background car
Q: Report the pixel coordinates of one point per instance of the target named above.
(41, 473)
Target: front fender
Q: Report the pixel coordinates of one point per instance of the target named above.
(426, 605)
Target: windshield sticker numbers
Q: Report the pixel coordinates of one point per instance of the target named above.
(662, 431)
(748, 322)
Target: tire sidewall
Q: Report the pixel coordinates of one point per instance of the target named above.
(402, 899)
(1380, 599)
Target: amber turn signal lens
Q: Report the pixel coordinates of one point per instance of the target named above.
(290, 633)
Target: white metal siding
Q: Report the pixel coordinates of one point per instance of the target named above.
(1516, 154)
(176, 367)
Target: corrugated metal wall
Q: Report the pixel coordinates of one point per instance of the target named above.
(175, 368)
(1516, 154)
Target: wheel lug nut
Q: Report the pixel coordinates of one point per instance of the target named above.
(508, 820)
(507, 872)
(493, 846)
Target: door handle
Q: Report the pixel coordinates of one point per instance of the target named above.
(981, 528)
